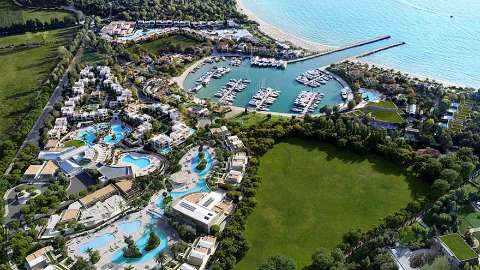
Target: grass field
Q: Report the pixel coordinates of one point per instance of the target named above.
(250, 119)
(22, 71)
(178, 41)
(384, 111)
(12, 14)
(458, 246)
(312, 194)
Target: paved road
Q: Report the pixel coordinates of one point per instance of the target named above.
(12, 207)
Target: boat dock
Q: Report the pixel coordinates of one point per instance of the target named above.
(227, 94)
(306, 102)
(381, 49)
(264, 98)
(350, 46)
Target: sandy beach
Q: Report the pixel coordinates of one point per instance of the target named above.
(280, 35)
(181, 79)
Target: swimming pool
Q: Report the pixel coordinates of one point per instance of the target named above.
(370, 95)
(116, 133)
(97, 242)
(209, 166)
(141, 162)
(130, 227)
(141, 244)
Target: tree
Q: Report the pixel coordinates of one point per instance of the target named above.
(160, 259)
(82, 264)
(278, 263)
(153, 241)
(440, 263)
(131, 251)
(94, 255)
(439, 187)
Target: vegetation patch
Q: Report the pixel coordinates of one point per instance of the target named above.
(179, 43)
(313, 193)
(251, 119)
(23, 70)
(74, 143)
(10, 14)
(384, 111)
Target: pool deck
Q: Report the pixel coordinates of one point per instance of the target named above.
(108, 251)
(186, 178)
(155, 162)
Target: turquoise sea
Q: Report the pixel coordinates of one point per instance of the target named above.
(438, 45)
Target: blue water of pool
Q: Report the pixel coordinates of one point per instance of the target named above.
(89, 134)
(370, 95)
(141, 243)
(139, 162)
(209, 166)
(131, 227)
(97, 242)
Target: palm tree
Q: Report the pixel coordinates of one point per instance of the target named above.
(160, 259)
(130, 267)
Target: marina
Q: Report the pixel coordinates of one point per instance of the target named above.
(267, 62)
(227, 94)
(276, 78)
(263, 99)
(314, 78)
(306, 102)
(214, 73)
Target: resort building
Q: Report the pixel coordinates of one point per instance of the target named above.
(180, 132)
(40, 259)
(32, 172)
(118, 28)
(202, 249)
(186, 266)
(221, 132)
(40, 173)
(203, 210)
(234, 143)
(234, 177)
(70, 215)
(161, 142)
(128, 189)
(113, 173)
(51, 144)
(99, 195)
(49, 231)
(456, 250)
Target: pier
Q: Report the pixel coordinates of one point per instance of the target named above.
(381, 49)
(229, 91)
(353, 45)
(311, 101)
(263, 102)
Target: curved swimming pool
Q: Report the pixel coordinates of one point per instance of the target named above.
(130, 227)
(97, 242)
(141, 162)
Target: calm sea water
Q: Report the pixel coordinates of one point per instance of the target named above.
(438, 46)
(283, 80)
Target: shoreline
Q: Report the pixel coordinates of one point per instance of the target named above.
(410, 74)
(280, 35)
(180, 80)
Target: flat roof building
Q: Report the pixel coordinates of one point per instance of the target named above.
(98, 195)
(70, 215)
(39, 259)
(203, 209)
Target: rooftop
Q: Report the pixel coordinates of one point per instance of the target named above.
(458, 247)
(98, 195)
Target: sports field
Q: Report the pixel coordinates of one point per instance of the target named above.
(23, 69)
(312, 193)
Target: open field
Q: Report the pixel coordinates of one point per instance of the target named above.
(313, 193)
(384, 111)
(11, 14)
(179, 42)
(251, 119)
(23, 69)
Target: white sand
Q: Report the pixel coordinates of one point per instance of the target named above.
(280, 35)
(181, 79)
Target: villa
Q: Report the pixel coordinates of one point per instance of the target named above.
(234, 143)
(203, 210)
(118, 28)
(40, 259)
(202, 249)
(161, 142)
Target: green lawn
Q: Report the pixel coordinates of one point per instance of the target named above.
(250, 119)
(384, 111)
(178, 41)
(23, 70)
(74, 143)
(458, 246)
(313, 193)
(12, 14)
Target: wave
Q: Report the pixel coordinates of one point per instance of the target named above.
(415, 6)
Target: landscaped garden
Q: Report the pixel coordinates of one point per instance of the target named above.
(384, 111)
(313, 193)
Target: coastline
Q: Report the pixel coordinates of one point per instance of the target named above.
(179, 80)
(282, 36)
